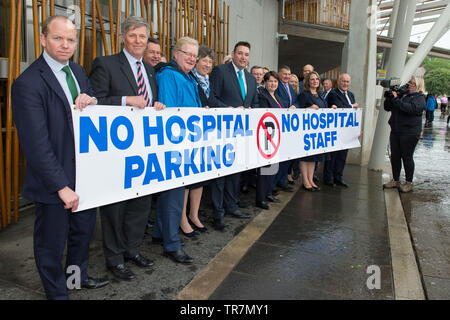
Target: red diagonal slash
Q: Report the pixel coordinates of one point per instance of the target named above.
(268, 135)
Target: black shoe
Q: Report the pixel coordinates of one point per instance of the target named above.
(316, 188)
(238, 214)
(342, 184)
(262, 205)
(286, 188)
(91, 283)
(179, 256)
(122, 272)
(308, 189)
(157, 240)
(273, 199)
(330, 183)
(218, 224)
(188, 234)
(242, 204)
(197, 228)
(140, 261)
(275, 191)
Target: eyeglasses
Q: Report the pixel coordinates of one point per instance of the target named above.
(189, 54)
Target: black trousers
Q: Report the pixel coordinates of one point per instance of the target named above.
(225, 194)
(333, 169)
(123, 227)
(53, 228)
(402, 150)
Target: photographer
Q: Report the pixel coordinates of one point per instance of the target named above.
(406, 126)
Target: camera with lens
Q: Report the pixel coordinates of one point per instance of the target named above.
(393, 84)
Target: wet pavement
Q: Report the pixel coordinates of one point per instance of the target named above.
(320, 247)
(427, 208)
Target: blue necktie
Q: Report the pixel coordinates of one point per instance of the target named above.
(241, 84)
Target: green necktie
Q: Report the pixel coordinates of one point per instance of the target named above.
(70, 83)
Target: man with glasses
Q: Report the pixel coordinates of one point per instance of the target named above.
(333, 169)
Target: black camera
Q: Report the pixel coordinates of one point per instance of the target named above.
(393, 84)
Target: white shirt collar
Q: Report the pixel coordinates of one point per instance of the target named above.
(52, 63)
(130, 58)
(236, 69)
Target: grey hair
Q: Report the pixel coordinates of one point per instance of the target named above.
(184, 40)
(132, 23)
(204, 51)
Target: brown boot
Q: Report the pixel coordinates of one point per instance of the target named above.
(406, 187)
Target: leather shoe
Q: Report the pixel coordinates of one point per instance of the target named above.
(330, 183)
(273, 199)
(342, 184)
(179, 256)
(218, 224)
(91, 283)
(262, 205)
(308, 189)
(238, 214)
(242, 204)
(140, 261)
(316, 188)
(286, 188)
(275, 191)
(122, 272)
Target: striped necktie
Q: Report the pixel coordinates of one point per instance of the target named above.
(142, 88)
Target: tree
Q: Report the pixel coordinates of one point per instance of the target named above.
(437, 77)
(437, 81)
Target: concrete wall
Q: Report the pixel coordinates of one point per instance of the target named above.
(255, 21)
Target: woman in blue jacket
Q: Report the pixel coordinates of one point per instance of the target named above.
(178, 87)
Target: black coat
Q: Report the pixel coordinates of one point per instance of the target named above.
(112, 78)
(406, 113)
(225, 89)
(266, 100)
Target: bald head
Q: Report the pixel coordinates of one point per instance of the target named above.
(344, 81)
(307, 69)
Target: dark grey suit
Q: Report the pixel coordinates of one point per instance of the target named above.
(123, 223)
(226, 92)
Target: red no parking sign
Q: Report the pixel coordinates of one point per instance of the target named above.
(268, 139)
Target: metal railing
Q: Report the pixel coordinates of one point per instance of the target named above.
(332, 13)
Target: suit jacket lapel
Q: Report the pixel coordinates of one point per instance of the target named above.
(248, 81)
(49, 77)
(152, 82)
(126, 69)
(235, 80)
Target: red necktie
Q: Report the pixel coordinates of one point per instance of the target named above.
(142, 88)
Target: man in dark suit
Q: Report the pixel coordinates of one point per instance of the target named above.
(289, 99)
(231, 86)
(333, 169)
(307, 69)
(42, 98)
(124, 79)
(327, 86)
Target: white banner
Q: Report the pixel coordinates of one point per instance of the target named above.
(126, 152)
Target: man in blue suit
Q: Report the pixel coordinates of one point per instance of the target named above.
(289, 100)
(42, 98)
(333, 169)
(231, 86)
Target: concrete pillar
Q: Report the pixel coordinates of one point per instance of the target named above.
(405, 19)
(359, 60)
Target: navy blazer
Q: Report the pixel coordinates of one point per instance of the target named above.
(225, 89)
(307, 99)
(267, 101)
(112, 79)
(43, 120)
(282, 92)
(337, 98)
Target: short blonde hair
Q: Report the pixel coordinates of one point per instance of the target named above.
(420, 84)
(183, 41)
